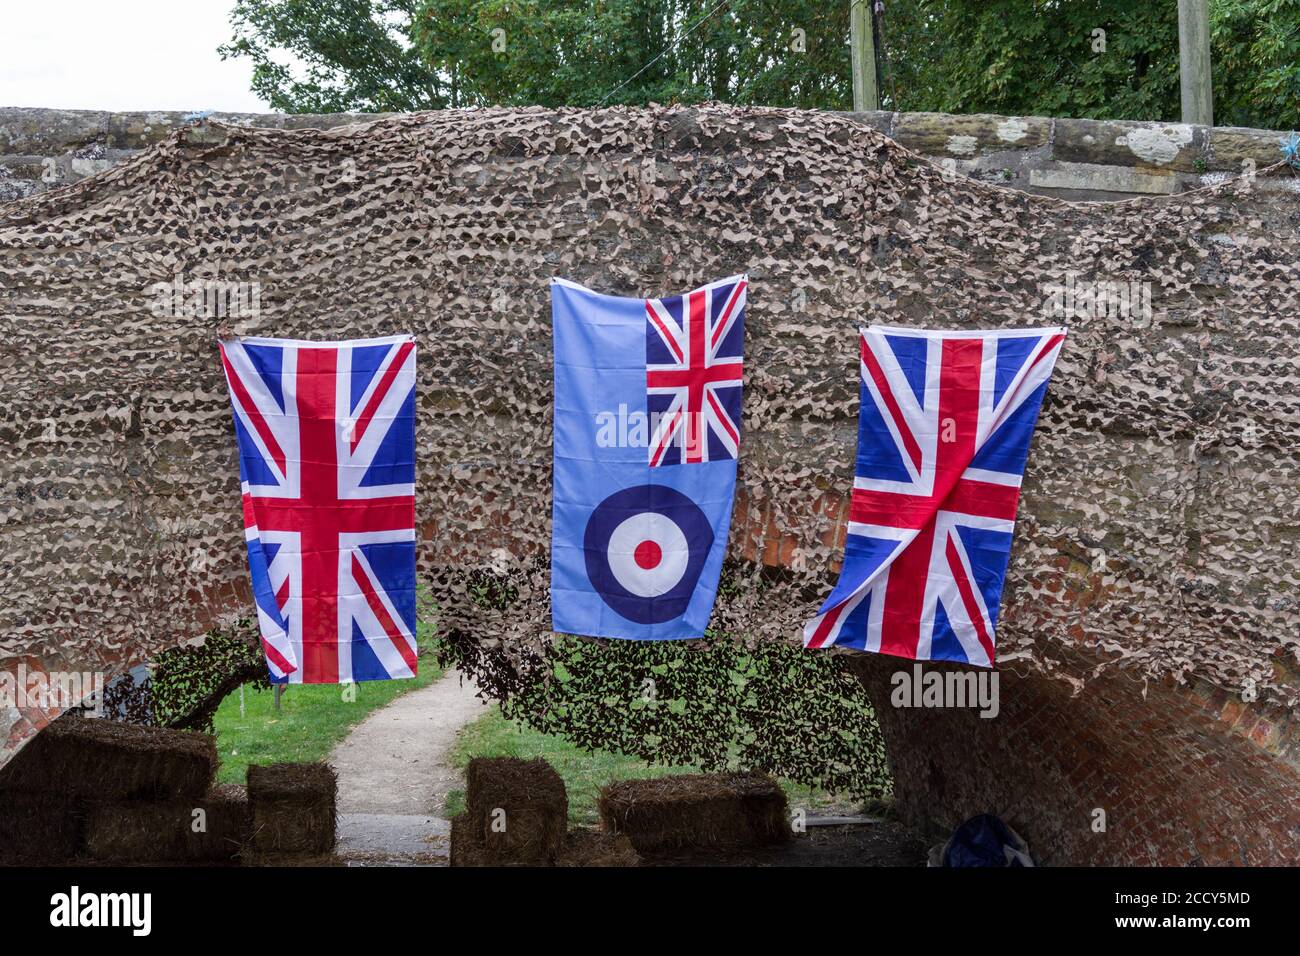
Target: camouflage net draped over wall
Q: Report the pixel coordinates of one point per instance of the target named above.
(1159, 522)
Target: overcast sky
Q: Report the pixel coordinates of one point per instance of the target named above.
(121, 55)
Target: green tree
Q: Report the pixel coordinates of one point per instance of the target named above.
(331, 56)
(1256, 53)
(1106, 59)
(583, 53)
(1114, 59)
(380, 55)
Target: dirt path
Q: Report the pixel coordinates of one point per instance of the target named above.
(394, 774)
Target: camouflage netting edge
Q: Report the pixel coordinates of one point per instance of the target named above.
(1157, 529)
(185, 685)
(720, 703)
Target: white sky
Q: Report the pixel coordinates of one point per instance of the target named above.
(121, 55)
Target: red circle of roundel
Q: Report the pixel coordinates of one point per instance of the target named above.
(648, 554)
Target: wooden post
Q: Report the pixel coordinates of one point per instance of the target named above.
(862, 47)
(1194, 61)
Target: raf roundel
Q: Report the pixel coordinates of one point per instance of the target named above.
(645, 548)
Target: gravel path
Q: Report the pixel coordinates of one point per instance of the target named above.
(394, 774)
(396, 760)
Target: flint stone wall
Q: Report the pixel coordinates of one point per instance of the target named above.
(1155, 557)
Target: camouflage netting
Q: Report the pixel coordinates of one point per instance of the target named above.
(185, 685)
(720, 704)
(1158, 528)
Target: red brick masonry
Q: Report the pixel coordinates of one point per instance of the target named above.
(1178, 786)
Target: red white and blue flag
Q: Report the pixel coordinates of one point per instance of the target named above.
(694, 366)
(944, 429)
(641, 512)
(326, 434)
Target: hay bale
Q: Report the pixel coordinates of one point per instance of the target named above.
(39, 828)
(517, 809)
(504, 782)
(140, 832)
(293, 808)
(587, 848)
(592, 848)
(110, 760)
(717, 810)
(466, 845)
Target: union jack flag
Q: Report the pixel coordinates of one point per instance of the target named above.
(693, 355)
(944, 429)
(326, 435)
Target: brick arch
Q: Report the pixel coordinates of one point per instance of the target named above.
(1184, 775)
(1157, 530)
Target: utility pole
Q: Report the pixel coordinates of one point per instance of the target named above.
(1194, 61)
(862, 45)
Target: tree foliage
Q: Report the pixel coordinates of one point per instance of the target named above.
(1039, 57)
(332, 56)
(580, 53)
(1104, 59)
(1114, 59)
(1256, 54)
(380, 55)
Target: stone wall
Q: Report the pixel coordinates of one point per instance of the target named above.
(1075, 159)
(1149, 630)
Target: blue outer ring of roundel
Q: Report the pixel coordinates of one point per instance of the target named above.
(616, 509)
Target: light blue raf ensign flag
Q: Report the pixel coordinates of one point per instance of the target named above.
(647, 432)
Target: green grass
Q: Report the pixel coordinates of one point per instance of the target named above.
(312, 719)
(585, 772)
